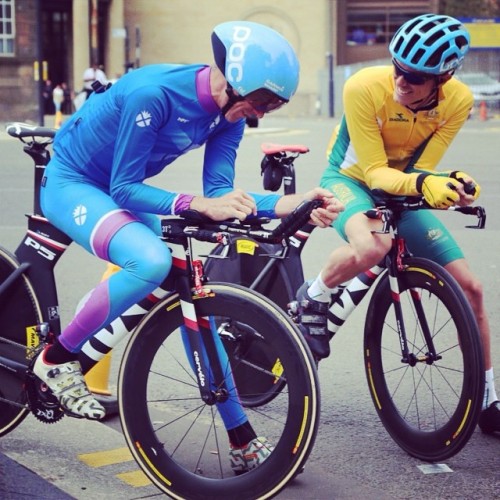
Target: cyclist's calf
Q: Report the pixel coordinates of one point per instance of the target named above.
(469, 283)
(471, 286)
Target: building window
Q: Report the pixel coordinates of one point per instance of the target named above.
(7, 24)
(367, 26)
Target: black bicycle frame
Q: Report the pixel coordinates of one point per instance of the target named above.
(41, 248)
(38, 253)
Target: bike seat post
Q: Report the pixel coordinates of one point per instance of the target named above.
(289, 179)
(41, 157)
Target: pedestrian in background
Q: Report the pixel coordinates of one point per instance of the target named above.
(67, 104)
(48, 104)
(92, 74)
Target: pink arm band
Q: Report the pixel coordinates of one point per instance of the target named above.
(181, 202)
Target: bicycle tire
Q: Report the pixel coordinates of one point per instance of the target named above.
(161, 432)
(432, 408)
(19, 314)
(244, 262)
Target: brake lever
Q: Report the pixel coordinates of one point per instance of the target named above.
(478, 211)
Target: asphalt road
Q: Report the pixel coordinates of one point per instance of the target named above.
(353, 457)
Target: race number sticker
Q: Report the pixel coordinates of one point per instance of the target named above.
(246, 246)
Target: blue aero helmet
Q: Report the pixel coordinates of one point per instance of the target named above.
(257, 62)
(431, 43)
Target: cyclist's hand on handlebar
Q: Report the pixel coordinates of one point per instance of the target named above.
(324, 216)
(236, 204)
(469, 190)
(440, 192)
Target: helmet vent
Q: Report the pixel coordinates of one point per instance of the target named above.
(434, 38)
(437, 57)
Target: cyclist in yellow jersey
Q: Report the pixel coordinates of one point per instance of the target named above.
(398, 122)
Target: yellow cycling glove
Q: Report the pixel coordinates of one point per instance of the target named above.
(470, 185)
(439, 192)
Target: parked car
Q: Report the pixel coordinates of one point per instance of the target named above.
(483, 86)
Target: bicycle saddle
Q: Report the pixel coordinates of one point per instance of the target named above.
(272, 149)
(20, 130)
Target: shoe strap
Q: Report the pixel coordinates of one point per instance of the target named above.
(76, 385)
(59, 369)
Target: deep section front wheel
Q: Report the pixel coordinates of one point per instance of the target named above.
(179, 441)
(430, 402)
(19, 315)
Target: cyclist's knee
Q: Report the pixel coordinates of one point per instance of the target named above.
(369, 257)
(370, 251)
(153, 264)
(140, 253)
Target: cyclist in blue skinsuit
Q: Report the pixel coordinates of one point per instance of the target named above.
(93, 188)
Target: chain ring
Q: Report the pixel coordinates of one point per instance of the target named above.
(43, 404)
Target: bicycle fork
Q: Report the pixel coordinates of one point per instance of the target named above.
(198, 332)
(355, 291)
(395, 267)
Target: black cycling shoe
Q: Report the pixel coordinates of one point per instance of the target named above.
(311, 317)
(489, 420)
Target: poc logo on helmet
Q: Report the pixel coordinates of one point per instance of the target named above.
(451, 65)
(236, 53)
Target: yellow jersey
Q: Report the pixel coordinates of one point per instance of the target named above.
(378, 137)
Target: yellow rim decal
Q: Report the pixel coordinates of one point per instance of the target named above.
(372, 385)
(151, 466)
(277, 370)
(246, 246)
(462, 423)
(177, 303)
(420, 270)
(303, 426)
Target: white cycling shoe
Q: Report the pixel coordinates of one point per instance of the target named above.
(250, 456)
(68, 385)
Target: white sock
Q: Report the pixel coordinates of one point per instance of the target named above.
(319, 291)
(490, 395)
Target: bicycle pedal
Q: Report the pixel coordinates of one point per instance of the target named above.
(293, 308)
(73, 415)
(110, 404)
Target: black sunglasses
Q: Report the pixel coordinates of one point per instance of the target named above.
(411, 77)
